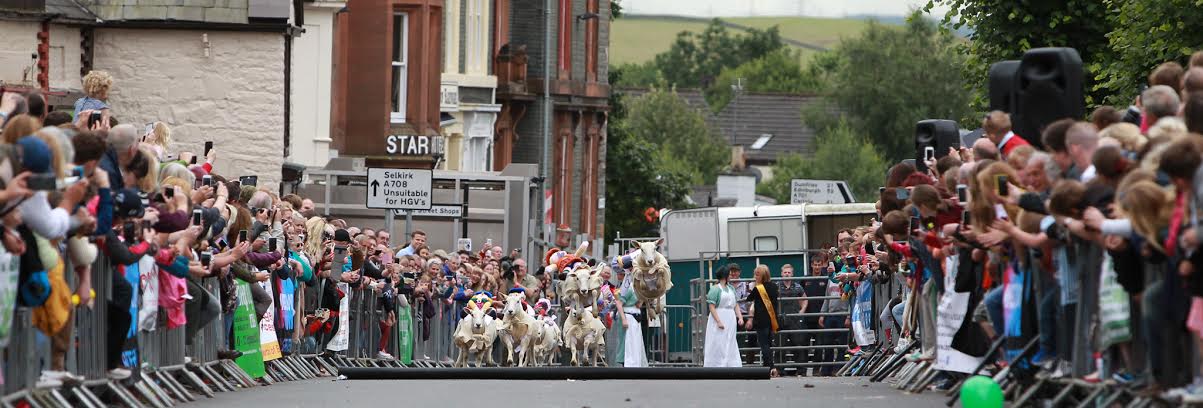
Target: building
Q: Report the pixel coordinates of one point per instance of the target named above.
(312, 91)
(213, 71)
(573, 158)
(467, 93)
(388, 62)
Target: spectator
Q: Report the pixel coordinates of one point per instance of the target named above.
(417, 242)
(763, 297)
(1158, 101)
(790, 308)
(97, 85)
(997, 128)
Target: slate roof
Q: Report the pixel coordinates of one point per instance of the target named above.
(58, 10)
(758, 113)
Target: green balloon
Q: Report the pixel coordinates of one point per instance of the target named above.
(981, 392)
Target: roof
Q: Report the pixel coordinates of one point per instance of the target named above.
(57, 10)
(752, 115)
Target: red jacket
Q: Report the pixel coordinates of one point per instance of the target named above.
(1012, 143)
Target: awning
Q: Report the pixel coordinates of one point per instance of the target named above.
(446, 119)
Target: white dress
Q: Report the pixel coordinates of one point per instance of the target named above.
(632, 352)
(721, 349)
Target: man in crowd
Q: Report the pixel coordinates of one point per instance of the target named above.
(997, 127)
(417, 241)
(789, 288)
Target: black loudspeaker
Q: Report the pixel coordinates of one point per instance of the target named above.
(1048, 88)
(939, 134)
(1002, 85)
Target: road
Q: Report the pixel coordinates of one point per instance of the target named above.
(784, 392)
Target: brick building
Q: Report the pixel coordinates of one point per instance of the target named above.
(579, 91)
(388, 62)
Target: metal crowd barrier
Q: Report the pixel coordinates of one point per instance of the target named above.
(802, 341)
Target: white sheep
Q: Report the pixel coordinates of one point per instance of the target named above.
(585, 336)
(517, 329)
(651, 276)
(474, 336)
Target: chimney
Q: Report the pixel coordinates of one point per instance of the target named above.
(738, 159)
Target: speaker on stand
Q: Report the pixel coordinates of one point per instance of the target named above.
(1048, 88)
(1003, 76)
(939, 134)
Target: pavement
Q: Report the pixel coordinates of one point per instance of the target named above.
(825, 392)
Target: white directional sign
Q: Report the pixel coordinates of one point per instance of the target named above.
(399, 189)
(819, 192)
(438, 210)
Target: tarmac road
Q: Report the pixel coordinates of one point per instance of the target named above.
(783, 392)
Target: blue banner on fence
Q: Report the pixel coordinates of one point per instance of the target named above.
(862, 315)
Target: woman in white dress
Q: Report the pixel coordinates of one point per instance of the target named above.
(721, 348)
(633, 354)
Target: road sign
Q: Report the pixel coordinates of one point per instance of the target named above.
(438, 210)
(399, 189)
(819, 192)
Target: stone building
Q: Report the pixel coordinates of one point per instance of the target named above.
(469, 85)
(212, 69)
(579, 102)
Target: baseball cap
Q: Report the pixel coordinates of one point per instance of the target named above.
(127, 203)
(35, 154)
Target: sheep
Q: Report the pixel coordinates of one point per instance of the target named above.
(651, 276)
(584, 333)
(517, 329)
(547, 341)
(582, 286)
(475, 335)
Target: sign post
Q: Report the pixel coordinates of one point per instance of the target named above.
(820, 192)
(400, 189)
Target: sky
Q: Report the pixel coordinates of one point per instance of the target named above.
(751, 8)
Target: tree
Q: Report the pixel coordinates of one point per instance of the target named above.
(1005, 29)
(887, 79)
(683, 140)
(1146, 33)
(695, 60)
(631, 75)
(777, 71)
(841, 154)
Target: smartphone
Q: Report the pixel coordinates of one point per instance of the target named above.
(42, 182)
(902, 194)
(208, 147)
(337, 262)
(929, 153)
(127, 232)
(196, 216)
(205, 258)
(1003, 187)
(965, 218)
(881, 190)
(489, 241)
(95, 118)
(249, 181)
(207, 180)
(962, 193)
(242, 236)
(169, 191)
(271, 244)
(914, 223)
(193, 160)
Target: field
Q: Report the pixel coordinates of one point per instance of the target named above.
(637, 39)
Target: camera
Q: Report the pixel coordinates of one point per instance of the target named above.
(205, 258)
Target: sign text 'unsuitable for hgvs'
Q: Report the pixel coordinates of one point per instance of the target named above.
(399, 189)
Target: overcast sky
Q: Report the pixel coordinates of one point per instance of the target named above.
(748, 8)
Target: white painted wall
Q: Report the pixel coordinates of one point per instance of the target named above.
(312, 63)
(65, 59)
(20, 42)
(234, 97)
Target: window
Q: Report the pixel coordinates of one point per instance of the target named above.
(761, 141)
(400, 68)
(477, 47)
(765, 243)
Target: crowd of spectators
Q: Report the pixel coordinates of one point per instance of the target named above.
(77, 186)
(1088, 244)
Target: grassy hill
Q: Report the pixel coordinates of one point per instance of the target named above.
(637, 39)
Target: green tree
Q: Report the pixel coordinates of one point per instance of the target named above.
(637, 177)
(1005, 29)
(631, 75)
(841, 154)
(777, 71)
(1146, 33)
(887, 79)
(695, 59)
(684, 141)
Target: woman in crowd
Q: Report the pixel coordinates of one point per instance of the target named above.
(721, 349)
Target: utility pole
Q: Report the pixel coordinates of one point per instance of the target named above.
(736, 88)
